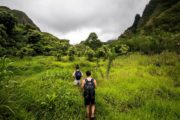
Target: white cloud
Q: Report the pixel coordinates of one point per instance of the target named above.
(75, 19)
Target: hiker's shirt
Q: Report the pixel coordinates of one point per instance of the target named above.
(89, 78)
(75, 75)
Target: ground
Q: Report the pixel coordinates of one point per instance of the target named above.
(139, 87)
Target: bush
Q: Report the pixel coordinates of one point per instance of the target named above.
(174, 74)
(34, 37)
(25, 51)
(168, 58)
(90, 54)
(8, 20)
(4, 72)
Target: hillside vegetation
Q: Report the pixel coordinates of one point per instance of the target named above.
(157, 30)
(139, 87)
(19, 36)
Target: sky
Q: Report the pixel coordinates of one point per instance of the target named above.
(76, 19)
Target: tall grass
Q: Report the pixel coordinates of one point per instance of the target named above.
(139, 87)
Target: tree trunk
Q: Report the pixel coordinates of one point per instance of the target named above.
(109, 67)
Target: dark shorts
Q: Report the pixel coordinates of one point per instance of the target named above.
(88, 100)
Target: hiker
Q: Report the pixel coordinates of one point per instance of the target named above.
(89, 85)
(77, 74)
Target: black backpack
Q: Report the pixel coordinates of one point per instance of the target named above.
(89, 87)
(78, 75)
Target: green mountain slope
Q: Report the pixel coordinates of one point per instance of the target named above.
(22, 18)
(158, 14)
(19, 36)
(165, 15)
(157, 30)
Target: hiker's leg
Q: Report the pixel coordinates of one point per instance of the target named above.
(93, 106)
(75, 82)
(78, 82)
(87, 110)
(92, 110)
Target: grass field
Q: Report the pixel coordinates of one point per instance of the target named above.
(139, 87)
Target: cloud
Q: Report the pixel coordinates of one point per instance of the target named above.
(75, 19)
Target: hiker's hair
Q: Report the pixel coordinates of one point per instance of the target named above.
(77, 66)
(88, 73)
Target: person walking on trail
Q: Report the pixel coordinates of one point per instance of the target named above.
(77, 74)
(88, 85)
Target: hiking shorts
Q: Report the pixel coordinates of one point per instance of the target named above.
(89, 101)
(76, 82)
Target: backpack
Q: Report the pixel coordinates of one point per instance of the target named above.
(78, 75)
(89, 87)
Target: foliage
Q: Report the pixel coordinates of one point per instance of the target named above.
(19, 34)
(8, 20)
(4, 72)
(25, 51)
(102, 52)
(157, 42)
(42, 88)
(93, 42)
(168, 58)
(90, 54)
(156, 30)
(121, 49)
(33, 37)
(3, 35)
(71, 53)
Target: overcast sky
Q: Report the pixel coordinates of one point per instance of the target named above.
(75, 19)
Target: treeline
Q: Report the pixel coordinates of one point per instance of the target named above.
(154, 43)
(24, 38)
(92, 48)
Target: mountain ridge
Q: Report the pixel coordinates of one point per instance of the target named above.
(22, 17)
(152, 17)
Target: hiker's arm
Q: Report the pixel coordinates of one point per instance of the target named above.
(95, 83)
(73, 74)
(82, 85)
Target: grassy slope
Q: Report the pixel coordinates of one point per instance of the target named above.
(42, 88)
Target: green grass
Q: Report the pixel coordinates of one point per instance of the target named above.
(139, 87)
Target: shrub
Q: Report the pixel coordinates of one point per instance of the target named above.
(25, 51)
(168, 58)
(34, 37)
(8, 20)
(90, 54)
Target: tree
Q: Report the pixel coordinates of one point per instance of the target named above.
(25, 51)
(102, 52)
(90, 54)
(80, 49)
(8, 20)
(57, 54)
(3, 35)
(111, 56)
(38, 49)
(121, 49)
(71, 53)
(113, 53)
(34, 37)
(93, 42)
